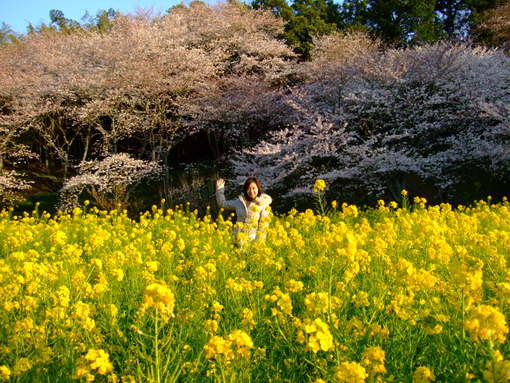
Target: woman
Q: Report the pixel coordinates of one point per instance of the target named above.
(251, 207)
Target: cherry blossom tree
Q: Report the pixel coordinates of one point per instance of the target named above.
(12, 187)
(380, 122)
(109, 182)
(494, 27)
(146, 83)
(359, 115)
(13, 155)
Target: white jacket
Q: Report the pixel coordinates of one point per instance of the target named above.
(251, 214)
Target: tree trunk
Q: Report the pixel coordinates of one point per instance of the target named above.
(213, 141)
(86, 148)
(66, 164)
(47, 159)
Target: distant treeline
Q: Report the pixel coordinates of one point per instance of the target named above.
(396, 22)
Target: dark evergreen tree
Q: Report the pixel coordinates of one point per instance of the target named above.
(404, 22)
(458, 17)
(102, 21)
(398, 22)
(63, 24)
(454, 17)
(310, 18)
(354, 14)
(305, 19)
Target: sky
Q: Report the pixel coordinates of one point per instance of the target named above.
(19, 13)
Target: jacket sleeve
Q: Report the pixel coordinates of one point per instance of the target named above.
(265, 215)
(222, 203)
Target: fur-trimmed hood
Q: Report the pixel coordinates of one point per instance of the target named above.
(243, 208)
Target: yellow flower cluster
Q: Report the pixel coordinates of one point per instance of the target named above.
(316, 334)
(319, 186)
(218, 347)
(247, 318)
(487, 323)
(5, 373)
(241, 284)
(237, 343)
(423, 375)
(283, 301)
(95, 361)
(160, 297)
(321, 302)
(91, 293)
(350, 372)
(497, 371)
(373, 360)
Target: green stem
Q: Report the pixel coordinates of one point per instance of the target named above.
(462, 314)
(493, 362)
(223, 377)
(331, 324)
(156, 347)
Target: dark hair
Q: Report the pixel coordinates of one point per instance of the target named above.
(247, 184)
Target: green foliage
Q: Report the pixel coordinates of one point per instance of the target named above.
(102, 22)
(62, 23)
(305, 19)
(402, 22)
(395, 21)
(7, 35)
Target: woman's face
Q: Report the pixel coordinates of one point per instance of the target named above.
(252, 191)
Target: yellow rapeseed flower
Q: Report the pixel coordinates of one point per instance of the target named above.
(319, 186)
(242, 342)
(62, 297)
(423, 375)
(58, 238)
(487, 323)
(218, 347)
(294, 286)
(99, 361)
(211, 326)
(160, 297)
(497, 372)
(321, 302)
(284, 302)
(247, 318)
(21, 366)
(350, 372)
(319, 336)
(5, 373)
(373, 360)
(216, 307)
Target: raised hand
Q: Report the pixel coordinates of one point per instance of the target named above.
(220, 183)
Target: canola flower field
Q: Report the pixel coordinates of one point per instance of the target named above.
(414, 294)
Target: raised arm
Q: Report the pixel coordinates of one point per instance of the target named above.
(220, 196)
